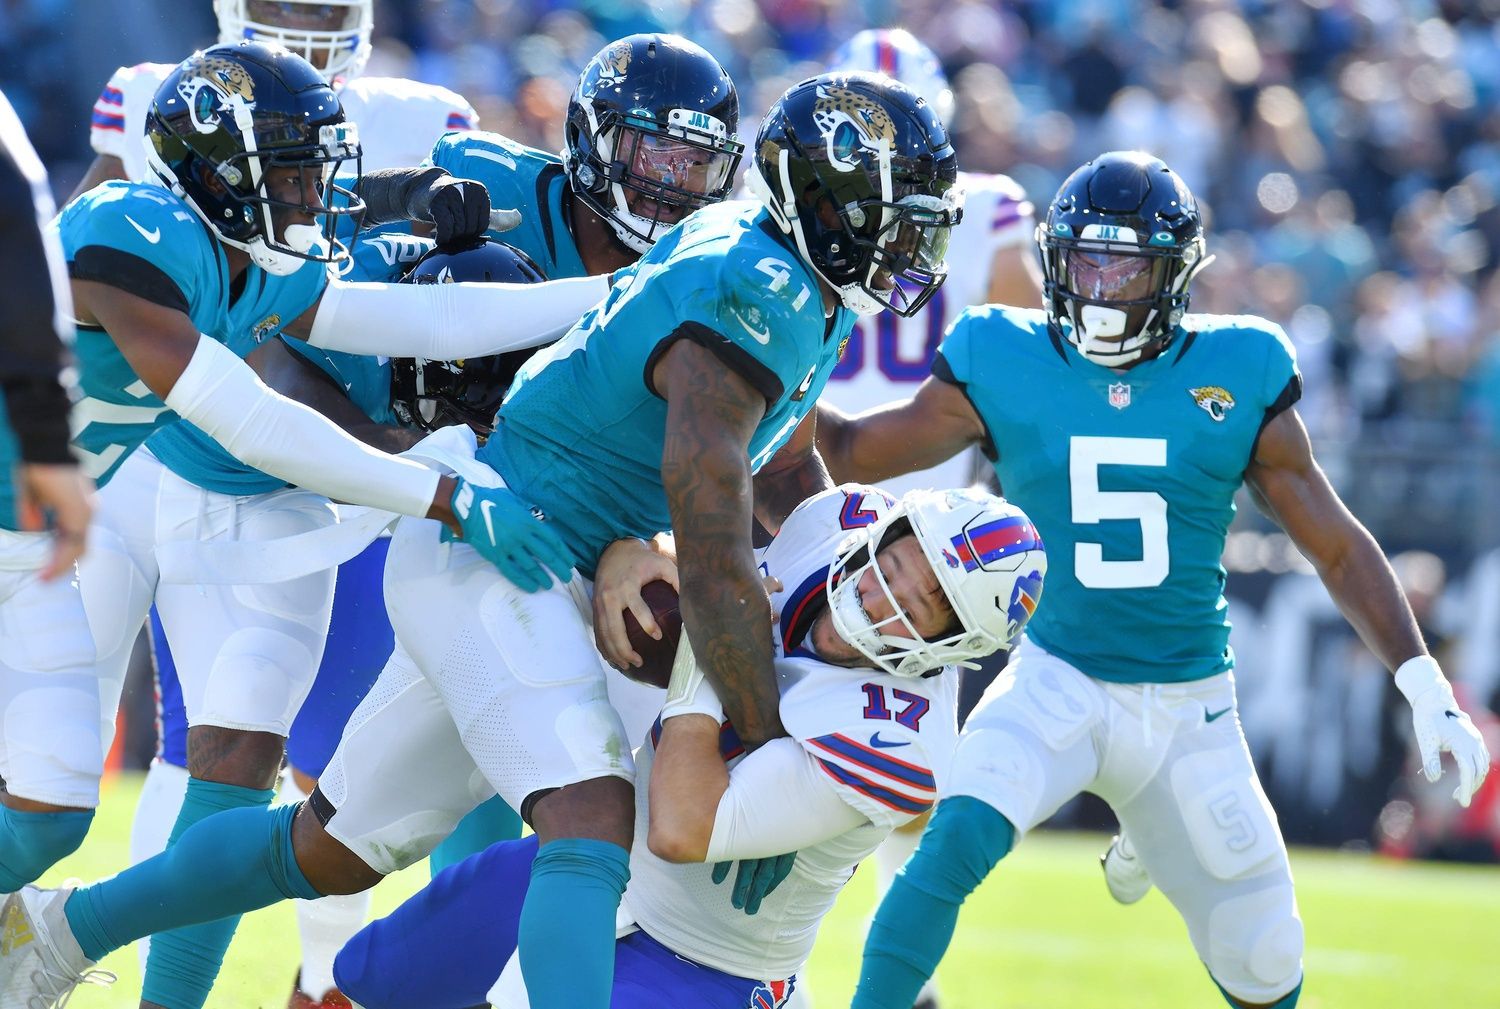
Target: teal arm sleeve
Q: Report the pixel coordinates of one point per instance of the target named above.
(914, 924)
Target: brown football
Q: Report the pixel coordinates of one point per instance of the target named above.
(657, 655)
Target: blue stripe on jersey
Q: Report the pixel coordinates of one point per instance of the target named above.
(885, 796)
(793, 626)
(104, 121)
(842, 746)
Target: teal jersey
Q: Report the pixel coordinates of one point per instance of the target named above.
(187, 451)
(149, 242)
(524, 179)
(1129, 476)
(581, 432)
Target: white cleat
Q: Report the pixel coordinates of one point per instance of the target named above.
(1124, 874)
(40, 961)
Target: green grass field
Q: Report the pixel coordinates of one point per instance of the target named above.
(1041, 934)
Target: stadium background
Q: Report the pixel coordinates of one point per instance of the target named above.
(1348, 153)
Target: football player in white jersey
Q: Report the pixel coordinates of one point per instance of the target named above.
(857, 579)
(398, 119)
(990, 260)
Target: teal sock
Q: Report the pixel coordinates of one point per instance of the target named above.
(486, 823)
(32, 843)
(567, 932)
(185, 962)
(230, 863)
(915, 921)
(1287, 1001)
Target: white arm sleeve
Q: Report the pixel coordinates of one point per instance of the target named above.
(445, 322)
(223, 396)
(755, 816)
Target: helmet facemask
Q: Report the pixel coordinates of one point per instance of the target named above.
(643, 176)
(332, 35)
(1119, 300)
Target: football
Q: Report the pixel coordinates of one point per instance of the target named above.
(657, 655)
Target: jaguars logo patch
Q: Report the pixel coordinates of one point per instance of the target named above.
(266, 327)
(850, 123)
(1214, 399)
(608, 69)
(210, 84)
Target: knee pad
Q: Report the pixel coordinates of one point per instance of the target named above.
(53, 749)
(258, 680)
(1255, 945)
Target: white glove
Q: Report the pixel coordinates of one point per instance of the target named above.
(1440, 724)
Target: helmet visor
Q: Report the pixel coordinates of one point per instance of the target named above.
(910, 262)
(1114, 278)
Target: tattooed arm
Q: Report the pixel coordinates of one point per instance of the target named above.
(794, 474)
(705, 469)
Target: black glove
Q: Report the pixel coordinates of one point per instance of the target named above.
(459, 209)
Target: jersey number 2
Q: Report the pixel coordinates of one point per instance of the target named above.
(1092, 506)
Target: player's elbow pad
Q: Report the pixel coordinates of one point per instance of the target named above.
(221, 394)
(445, 322)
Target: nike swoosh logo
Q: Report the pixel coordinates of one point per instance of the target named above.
(1209, 716)
(1452, 714)
(883, 744)
(153, 236)
(762, 337)
(485, 507)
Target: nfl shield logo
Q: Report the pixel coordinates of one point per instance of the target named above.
(1119, 395)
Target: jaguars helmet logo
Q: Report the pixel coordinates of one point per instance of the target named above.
(266, 327)
(1214, 399)
(608, 69)
(850, 123)
(212, 84)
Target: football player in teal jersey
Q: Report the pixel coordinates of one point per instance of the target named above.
(171, 284)
(653, 413)
(1124, 427)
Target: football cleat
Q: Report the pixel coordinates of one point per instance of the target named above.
(1124, 874)
(40, 961)
(330, 999)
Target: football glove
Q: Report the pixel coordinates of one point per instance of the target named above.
(1440, 724)
(459, 209)
(756, 878)
(510, 535)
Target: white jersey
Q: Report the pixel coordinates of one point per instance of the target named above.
(882, 743)
(398, 120)
(888, 356)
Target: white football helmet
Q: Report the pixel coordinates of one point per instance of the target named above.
(896, 52)
(988, 559)
(332, 35)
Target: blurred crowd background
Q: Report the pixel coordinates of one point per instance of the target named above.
(1347, 151)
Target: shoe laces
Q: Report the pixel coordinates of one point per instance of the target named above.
(55, 990)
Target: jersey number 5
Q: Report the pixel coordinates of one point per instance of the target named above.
(1092, 506)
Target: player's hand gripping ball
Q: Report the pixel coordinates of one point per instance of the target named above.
(656, 654)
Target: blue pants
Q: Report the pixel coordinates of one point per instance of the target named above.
(360, 639)
(429, 954)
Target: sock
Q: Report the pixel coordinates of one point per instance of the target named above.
(915, 921)
(427, 953)
(486, 823)
(230, 863)
(567, 931)
(32, 843)
(155, 815)
(1287, 1001)
(184, 963)
(891, 856)
(325, 924)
